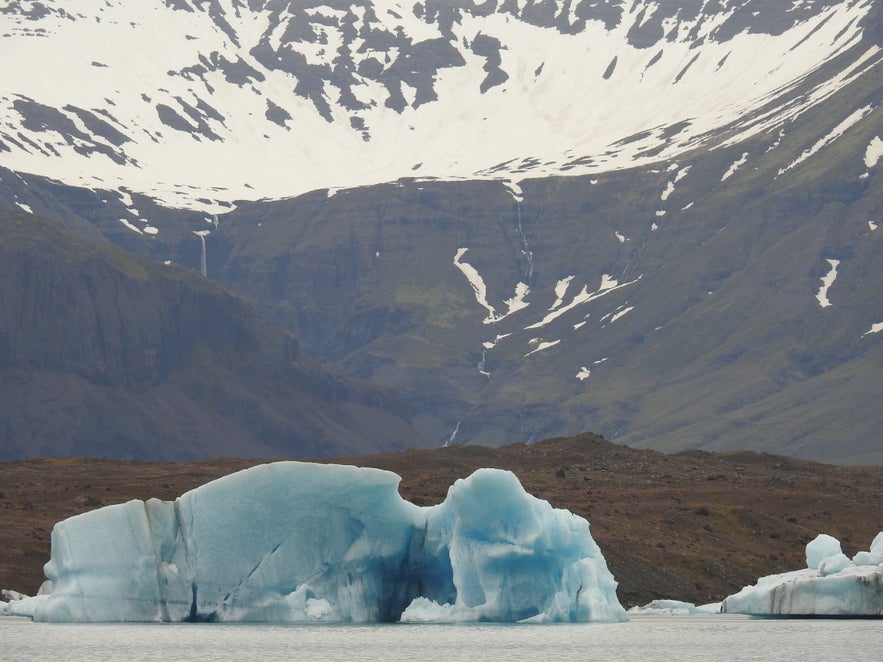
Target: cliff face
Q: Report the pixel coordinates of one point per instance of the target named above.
(107, 354)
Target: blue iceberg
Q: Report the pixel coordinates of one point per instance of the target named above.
(832, 585)
(295, 542)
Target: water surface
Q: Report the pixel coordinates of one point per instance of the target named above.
(683, 638)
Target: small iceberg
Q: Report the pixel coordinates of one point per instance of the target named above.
(832, 585)
(674, 608)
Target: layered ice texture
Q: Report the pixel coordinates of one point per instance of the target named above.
(831, 585)
(293, 542)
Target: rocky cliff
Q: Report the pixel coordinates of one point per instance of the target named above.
(106, 354)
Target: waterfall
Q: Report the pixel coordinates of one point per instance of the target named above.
(453, 435)
(202, 234)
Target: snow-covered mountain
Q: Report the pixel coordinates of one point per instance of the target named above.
(659, 221)
(200, 103)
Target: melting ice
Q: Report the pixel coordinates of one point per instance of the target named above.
(293, 541)
(831, 585)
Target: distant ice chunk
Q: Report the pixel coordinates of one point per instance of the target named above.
(301, 542)
(831, 585)
(674, 608)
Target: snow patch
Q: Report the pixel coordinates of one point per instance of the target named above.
(560, 291)
(853, 119)
(875, 328)
(583, 373)
(477, 282)
(621, 313)
(129, 225)
(540, 345)
(517, 302)
(827, 280)
(515, 190)
(490, 344)
(608, 284)
(874, 152)
(735, 166)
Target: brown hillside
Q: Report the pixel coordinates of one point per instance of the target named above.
(695, 526)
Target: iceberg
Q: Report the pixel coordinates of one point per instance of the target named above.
(304, 542)
(831, 585)
(664, 607)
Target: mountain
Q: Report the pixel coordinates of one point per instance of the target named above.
(273, 98)
(656, 221)
(107, 354)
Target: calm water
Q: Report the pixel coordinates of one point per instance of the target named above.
(643, 638)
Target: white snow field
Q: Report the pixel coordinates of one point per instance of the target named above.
(302, 542)
(201, 104)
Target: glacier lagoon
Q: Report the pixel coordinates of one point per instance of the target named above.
(642, 639)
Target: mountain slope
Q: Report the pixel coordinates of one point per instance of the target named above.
(327, 94)
(656, 221)
(703, 327)
(676, 306)
(109, 355)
